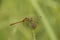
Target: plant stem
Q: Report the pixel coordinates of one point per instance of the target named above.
(33, 35)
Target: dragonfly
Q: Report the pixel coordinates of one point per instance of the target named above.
(33, 24)
(29, 20)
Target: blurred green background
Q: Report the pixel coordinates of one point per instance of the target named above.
(48, 26)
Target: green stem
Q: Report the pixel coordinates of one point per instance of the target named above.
(33, 35)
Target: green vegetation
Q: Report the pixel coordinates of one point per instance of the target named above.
(45, 13)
